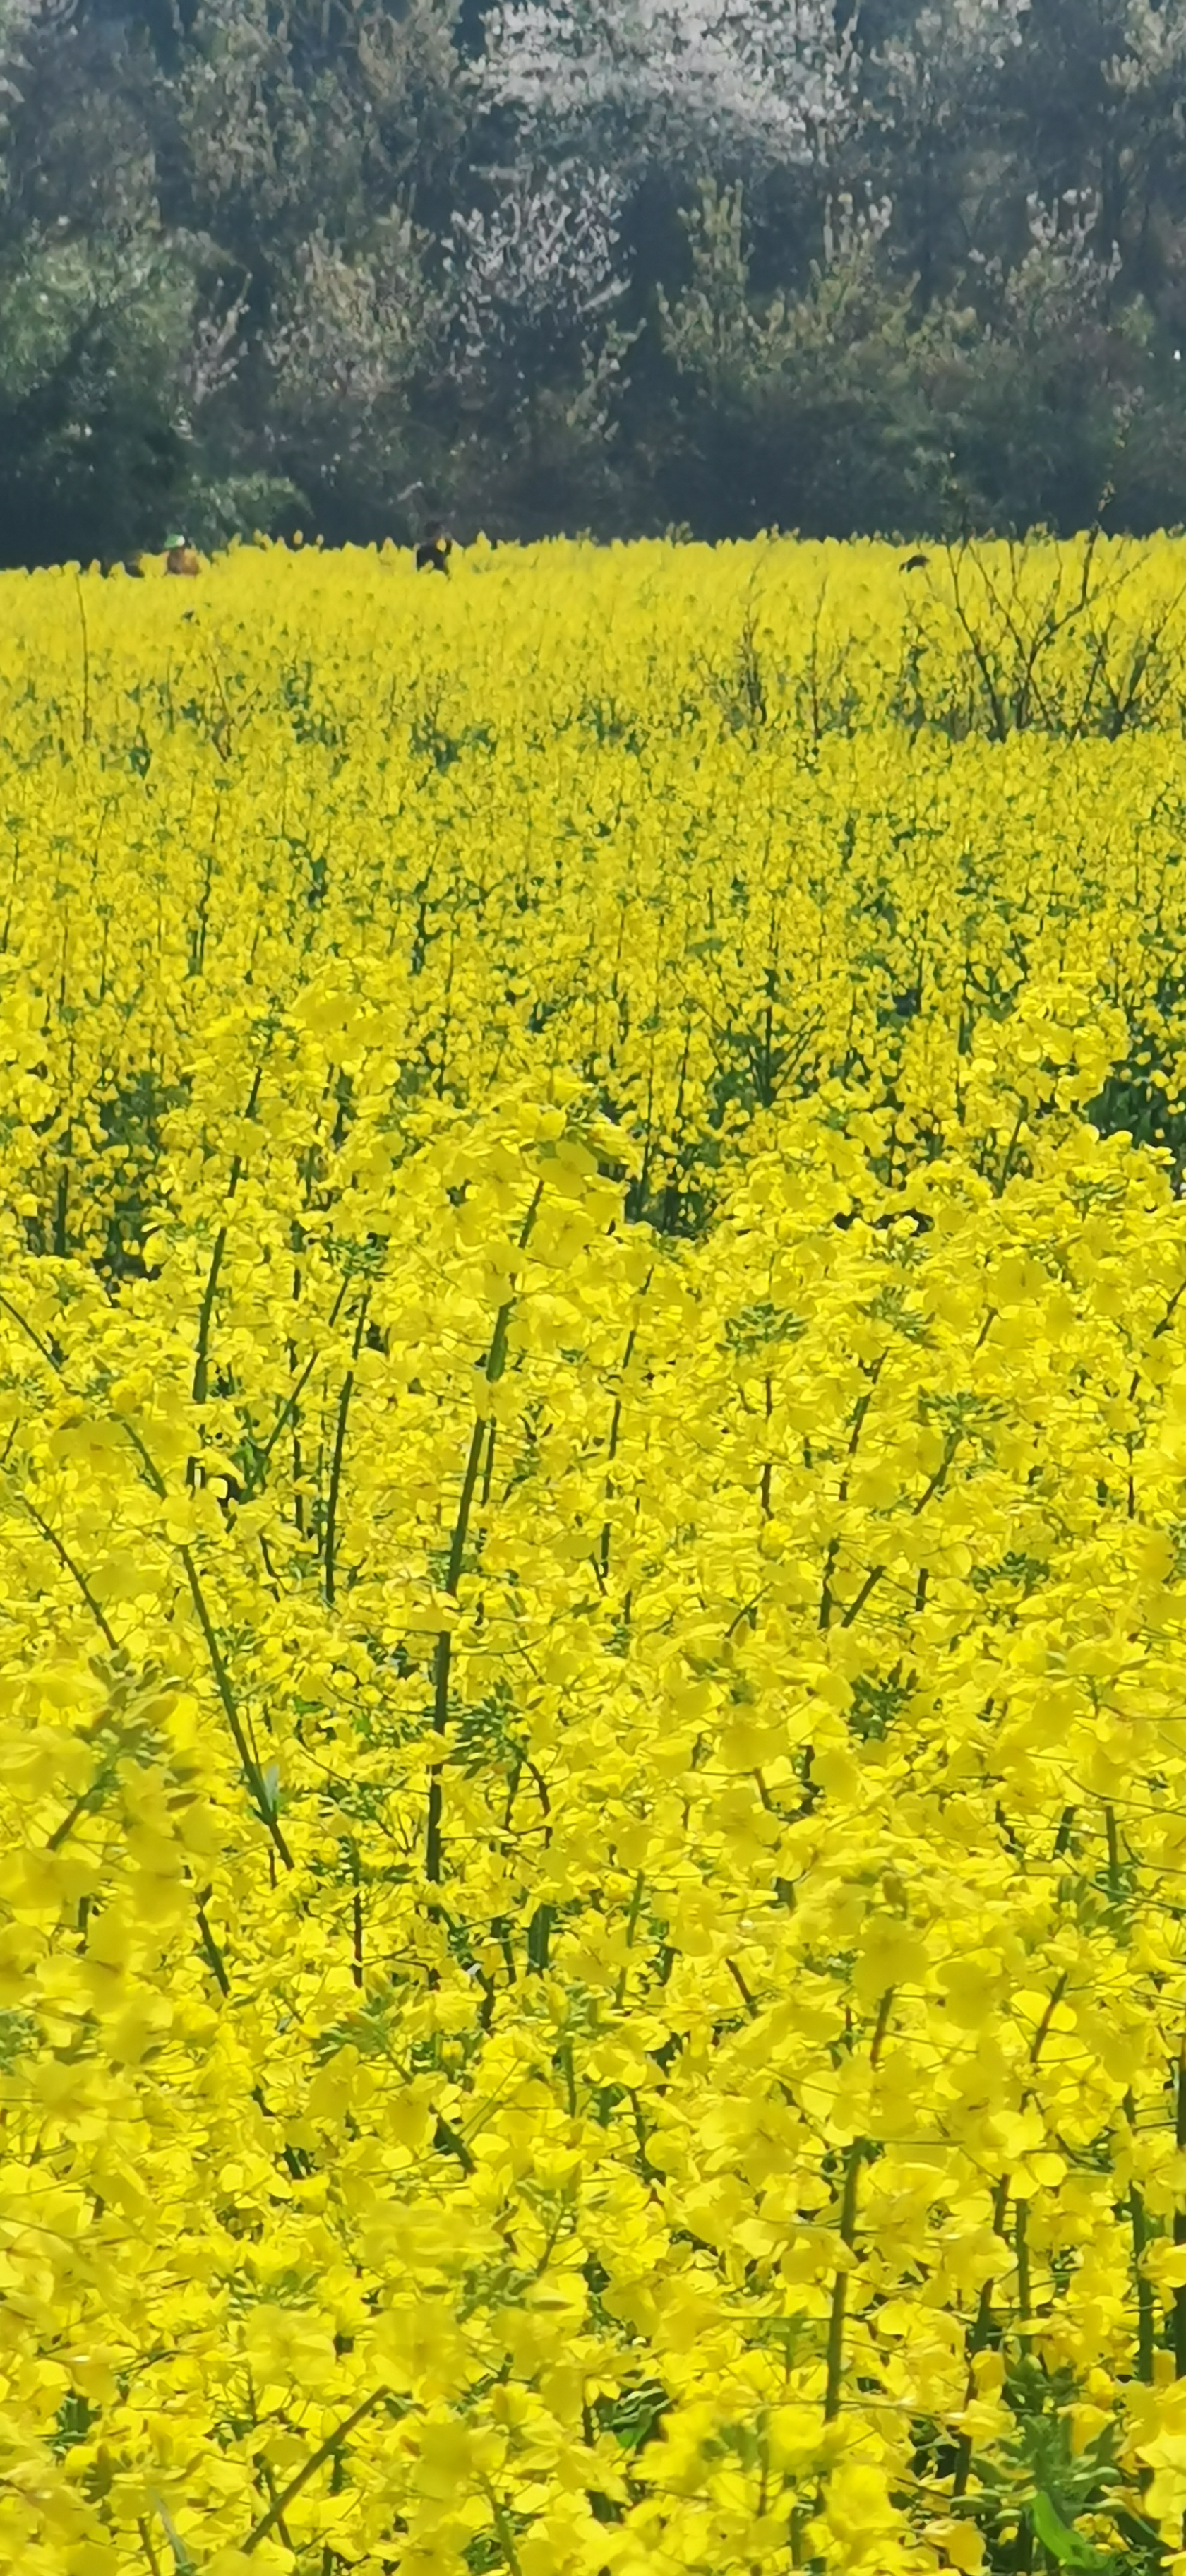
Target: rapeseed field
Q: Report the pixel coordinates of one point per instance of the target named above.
(593, 1564)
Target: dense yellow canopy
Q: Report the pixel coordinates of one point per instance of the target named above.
(592, 1533)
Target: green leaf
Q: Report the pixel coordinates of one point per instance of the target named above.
(1058, 2537)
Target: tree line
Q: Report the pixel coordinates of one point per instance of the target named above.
(905, 267)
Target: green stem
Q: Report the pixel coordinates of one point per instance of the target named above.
(75, 1571)
(335, 1473)
(1180, 2222)
(327, 2450)
(855, 1608)
(854, 2156)
(848, 2225)
(201, 1357)
(631, 1929)
(443, 1654)
(251, 1770)
(614, 1429)
(877, 2043)
(213, 1955)
(48, 1352)
(86, 1804)
(978, 2338)
(275, 2500)
(502, 2530)
(1022, 2251)
(494, 1365)
(1114, 1882)
(288, 1408)
(1042, 2032)
(862, 1406)
(248, 1763)
(205, 1318)
(488, 1469)
(61, 1204)
(357, 1925)
(1138, 2221)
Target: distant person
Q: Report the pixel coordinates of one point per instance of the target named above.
(434, 550)
(180, 556)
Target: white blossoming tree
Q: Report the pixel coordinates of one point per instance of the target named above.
(534, 290)
(535, 274)
(702, 85)
(16, 19)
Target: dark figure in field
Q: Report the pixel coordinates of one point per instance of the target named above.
(181, 556)
(915, 563)
(434, 550)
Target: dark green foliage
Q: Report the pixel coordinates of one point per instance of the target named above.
(233, 292)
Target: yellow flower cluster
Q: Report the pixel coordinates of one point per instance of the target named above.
(593, 1566)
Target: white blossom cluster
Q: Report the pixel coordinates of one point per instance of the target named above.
(700, 81)
(1154, 52)
(540, 262)
(19, 20)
